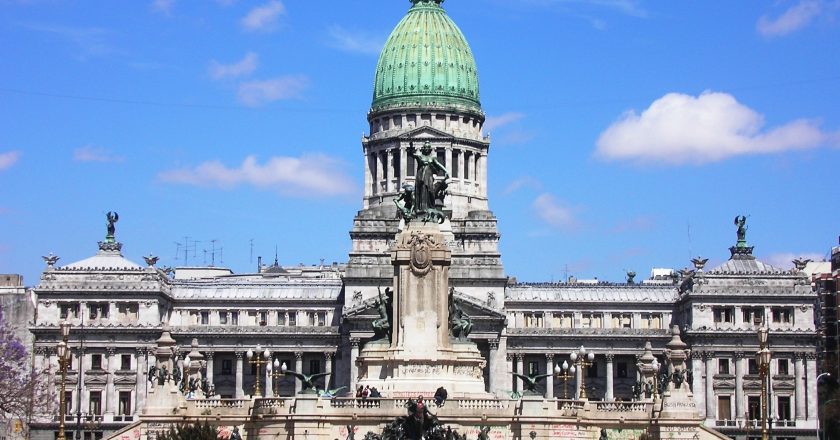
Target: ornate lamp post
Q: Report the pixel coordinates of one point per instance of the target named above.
(583, 360)
(565, 373)
(763, 359)
(656, 367)
(63, 363)
(259, 358)
(276, 371)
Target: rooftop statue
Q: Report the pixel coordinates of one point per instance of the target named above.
(113, 218)
(426, 190)
(741, 223)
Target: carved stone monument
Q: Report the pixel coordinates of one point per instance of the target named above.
(678, 406)
(421, 354)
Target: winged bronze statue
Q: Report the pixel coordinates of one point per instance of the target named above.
(330, 393)
(307, 380)
(530, 382)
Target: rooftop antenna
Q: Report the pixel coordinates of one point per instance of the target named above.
(213, 252)
(251, 255)
(275, 255)
(688, 231)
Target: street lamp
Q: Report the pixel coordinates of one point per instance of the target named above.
(63, 364)
(763, 359)
(583, 360)
(565, 373)
(255, 359)
(276, 372)
(656, 367)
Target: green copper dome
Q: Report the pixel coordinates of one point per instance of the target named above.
(426, 62)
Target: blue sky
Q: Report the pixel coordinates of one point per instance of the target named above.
(625, 134)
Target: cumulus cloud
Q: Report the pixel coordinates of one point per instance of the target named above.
(89, 153)
(256, 93)
(494, 122)
(264, 18)
(243, 67)
(8, 159)
(795, 18)
(309, 175)
(680, 128)
(784, 260)
(555, 213)
(354, 42)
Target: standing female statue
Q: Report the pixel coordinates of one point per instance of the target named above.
(425, 190)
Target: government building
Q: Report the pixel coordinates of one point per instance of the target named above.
(317, 319)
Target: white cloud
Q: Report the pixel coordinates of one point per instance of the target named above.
(795, 18)
(265, 17)
(680, 128)
(8, 159)
(555, 213)
(784, 260)
(163, 6)
(355, 42)
(240, 68)
(89, 153)
(522, 182)
(309, 175)
(256, 93)
(494, 122)
(90, 41)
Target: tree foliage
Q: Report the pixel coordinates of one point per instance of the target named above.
(23, 390)
(196, 431)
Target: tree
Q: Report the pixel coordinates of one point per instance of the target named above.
(196, 431)
(23, 390)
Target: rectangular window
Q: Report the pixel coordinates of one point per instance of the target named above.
(533, 320)
(783, 407)
(281, 318)
(234, 318)
(441, 157)
(205, 318)
(124, 408)
(96, 362)
(622, 320)
(752, 315)
(724, 314)
(314, 366)
(723, 366)
(263, 318)
(782, 315)
(724, 408)
(467, 158)
(533, 368)
(621, 369)
(651, 320)
(752, 366)
(322, 319)
(223, 318)
(754, 407)
(311, 318)
(68, 403)
(95, 407)
(97, 311)
(562, 320)
(410, 166)
(125, 362)
(292, 319)
(591, 320)
(127, 310)
(456, 154)
(227, 367)
(783, 367)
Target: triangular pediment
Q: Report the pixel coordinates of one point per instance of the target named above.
(426, 132)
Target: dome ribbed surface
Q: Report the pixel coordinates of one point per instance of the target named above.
(426, 62)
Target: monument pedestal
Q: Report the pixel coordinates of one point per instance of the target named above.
(421, 355)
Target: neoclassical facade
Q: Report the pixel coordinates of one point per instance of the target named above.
(317, 319)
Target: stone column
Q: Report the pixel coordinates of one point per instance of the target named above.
(811, 379)
(608, 395)
(380, 173)
(739, 385)
(403, 170)
(389, 158)
(209, 358)
(472, 168)
(493, 344)
(460, 165)
(112, 311)
(142, 381)
(240, 393)
(549, 381)
(328, 358)
(578, 378)
(709, 357)
(354, 367)
(520, 368)
(368, 176)
(448, 155)
(697, 386)
(299, 369)
(799, 385)
(511, 369)
(110, 393)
